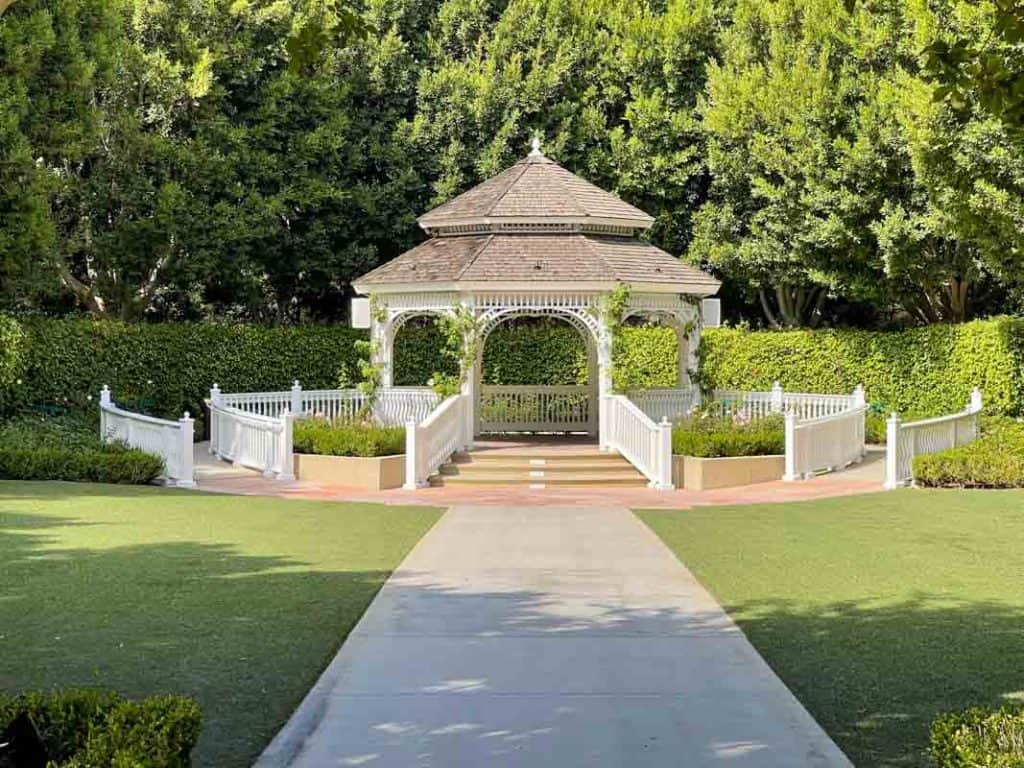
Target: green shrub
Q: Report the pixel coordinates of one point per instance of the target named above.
(979, 738)
(994, 460)
(12, 342)
(107, 464)
(167, 368)
(918, 372)
(88, 729)
(714, 437)
(40, 446)
(645, 357)
(341, 438)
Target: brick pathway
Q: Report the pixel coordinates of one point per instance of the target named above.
(218, 477)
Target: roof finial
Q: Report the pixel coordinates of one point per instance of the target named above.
(535, 147)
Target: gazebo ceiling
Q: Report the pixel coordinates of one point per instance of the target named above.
(536, 227)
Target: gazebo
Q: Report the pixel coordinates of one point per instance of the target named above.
(536, 241)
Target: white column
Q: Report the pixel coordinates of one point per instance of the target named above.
(892, 448)
(664, 482)
(683, 348)
(411, 455)
(214, 421)
(296, 404)
(382, 346)
(776, 397)
(791, 474)
(975, 399)
(285, 450)
(104, 403)
(186, 432)
(604, 382)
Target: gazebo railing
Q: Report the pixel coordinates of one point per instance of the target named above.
(429, 443)
(536, 408)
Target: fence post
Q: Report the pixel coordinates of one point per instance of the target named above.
(287, 470)
(296, 397)
(790, 474)
(664, 482)
(858, 396)
(776, 397)
(214, 420)
(892, 447)
(104, 402)
(411, 456)
(975, 404)
(186, 433)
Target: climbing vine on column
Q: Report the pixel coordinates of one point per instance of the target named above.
(460, 333)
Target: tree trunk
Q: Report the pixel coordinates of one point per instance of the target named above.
(796, 306)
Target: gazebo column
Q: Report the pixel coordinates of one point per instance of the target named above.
(382, 335)
(683, 347)
(604, 384)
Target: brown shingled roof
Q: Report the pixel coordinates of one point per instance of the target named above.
(536, 188)
(527, 257)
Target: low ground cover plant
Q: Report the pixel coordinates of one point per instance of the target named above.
(711, 435)
(36, 445)
(994, 460)
(347, 438)
(979, 737)
(84, 728)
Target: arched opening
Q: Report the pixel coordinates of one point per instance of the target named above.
(536, 374)
(416, 352)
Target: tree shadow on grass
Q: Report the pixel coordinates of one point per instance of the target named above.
(245, 635)
(876, 676)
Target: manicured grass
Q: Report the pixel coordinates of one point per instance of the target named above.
(878, 611)
(239, 602)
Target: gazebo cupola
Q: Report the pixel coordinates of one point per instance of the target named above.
(537, 240)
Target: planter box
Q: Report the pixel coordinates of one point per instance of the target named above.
(697, 474)
(374, 474)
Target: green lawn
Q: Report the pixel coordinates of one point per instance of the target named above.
(878, 611)
(239, 602)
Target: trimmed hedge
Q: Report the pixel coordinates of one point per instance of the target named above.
(37, 446)
(712, 437)
(12, 342)
(918, 372)
(338, 438)
(645, 357)
(994, 460)
(86, 728)
(538, 352)
(164, 369)
(979, 737)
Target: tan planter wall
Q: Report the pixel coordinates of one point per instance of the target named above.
(696, 474)
(374, 474)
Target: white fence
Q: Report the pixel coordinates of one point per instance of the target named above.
(170, 440)
(905, 441)
(804, 405)
(392, 406)
(259, 442)
(672, 404)
(645, 444)
(536, 408)
(429, 443)
(825, 443)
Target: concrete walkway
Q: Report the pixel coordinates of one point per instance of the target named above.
(547, 637)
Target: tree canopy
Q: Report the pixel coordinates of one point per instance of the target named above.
(247, 159)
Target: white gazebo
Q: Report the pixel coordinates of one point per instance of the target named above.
(537, 240)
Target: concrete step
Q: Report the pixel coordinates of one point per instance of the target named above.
(630, 479)
(552, 468)
(502, 457)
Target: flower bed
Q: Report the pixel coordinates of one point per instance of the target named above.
(354, 454)
(711, 450)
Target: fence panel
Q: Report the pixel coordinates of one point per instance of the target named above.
(170, 440)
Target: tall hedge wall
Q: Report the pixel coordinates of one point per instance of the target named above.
(918, 372)
(170, 367)
(515, 353)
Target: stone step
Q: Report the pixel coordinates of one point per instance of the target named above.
(630, 479)
(551, 468)
(551, 457)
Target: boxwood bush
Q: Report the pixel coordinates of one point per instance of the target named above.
(87, 728)
(979, 737)
(346, 438)
(711, 436)
(39, 446)
(994, 460)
